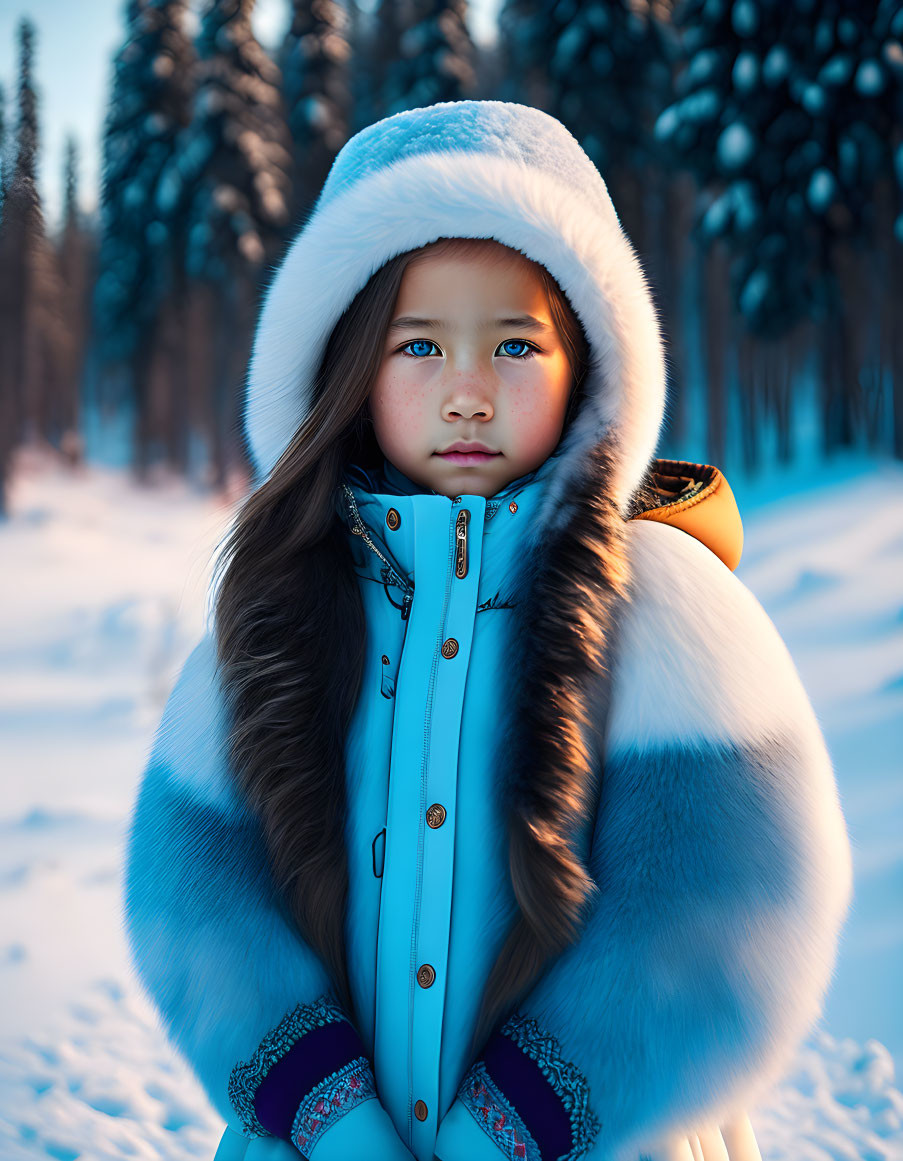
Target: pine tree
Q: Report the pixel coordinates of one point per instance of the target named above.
(371, 36)
(433, 58)
(888, 210)
(232, 180)
(787, 115)
(604, 70)
(22, 224)
(526, 28)
(30, 332)
(4, 160)
(314, 59)
(76, 257)
(8, 415)
(149, 104)
(609, 78)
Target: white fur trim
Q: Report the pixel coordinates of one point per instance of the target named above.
(475, 195)
(700, 663)
(698, 658)
(191, 737)
(722, 857)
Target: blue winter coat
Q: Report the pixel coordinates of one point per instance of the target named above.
(430, 897)
(538, 667)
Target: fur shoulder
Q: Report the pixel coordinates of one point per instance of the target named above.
(190, 743)
(698, 659)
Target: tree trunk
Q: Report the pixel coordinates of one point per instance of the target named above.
(749, 379)
(716, 330)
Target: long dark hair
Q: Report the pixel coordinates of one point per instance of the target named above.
(289, 620)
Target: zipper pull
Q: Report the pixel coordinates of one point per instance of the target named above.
(461, 543)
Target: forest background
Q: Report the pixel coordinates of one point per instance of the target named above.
(754, 152)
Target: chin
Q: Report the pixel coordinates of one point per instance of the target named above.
(474, 472)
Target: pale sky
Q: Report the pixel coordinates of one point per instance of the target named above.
(74, 49)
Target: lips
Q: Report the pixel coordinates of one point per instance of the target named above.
(469, 457)
(462, 445)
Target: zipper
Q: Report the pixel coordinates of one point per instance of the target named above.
(359, 528)
(461, 543)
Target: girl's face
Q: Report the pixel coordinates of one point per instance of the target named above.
(462, 362)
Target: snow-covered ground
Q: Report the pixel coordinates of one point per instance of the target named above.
(102, 596)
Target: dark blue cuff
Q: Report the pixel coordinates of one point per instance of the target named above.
(305, 1073)
(524, 1086)
(316, 1055)
(530, 1100)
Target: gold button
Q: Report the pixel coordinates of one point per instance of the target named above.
(425, 975)
(449, 647)
(512, 507)
(435, 815)
(393, 519)
(420, 1111)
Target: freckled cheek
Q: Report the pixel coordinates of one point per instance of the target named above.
(398, 406)
(533, 413)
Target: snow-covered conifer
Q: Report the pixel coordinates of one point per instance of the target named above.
(230, 182)
(433, 58)
(4, 163)
(30, 331)
(234, 160)
(788, 116)
(148, 107)
(526, 29)
(76, 253)
(314, 61)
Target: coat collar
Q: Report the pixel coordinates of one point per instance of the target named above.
(389, 480)
(507, 517)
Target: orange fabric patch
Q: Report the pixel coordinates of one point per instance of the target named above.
(697, 499)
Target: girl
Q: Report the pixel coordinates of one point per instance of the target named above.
(489, 819)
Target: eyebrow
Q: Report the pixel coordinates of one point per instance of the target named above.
(520, 322)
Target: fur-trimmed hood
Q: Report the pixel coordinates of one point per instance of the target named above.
(472, 169)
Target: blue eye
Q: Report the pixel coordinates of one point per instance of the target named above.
(527, 354)
(417, 343)
(522, 342)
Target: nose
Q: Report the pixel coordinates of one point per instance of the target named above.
(464, 401)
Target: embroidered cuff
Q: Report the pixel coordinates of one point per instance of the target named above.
(331, 1099)
(305, 1074)
(532, 1103)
